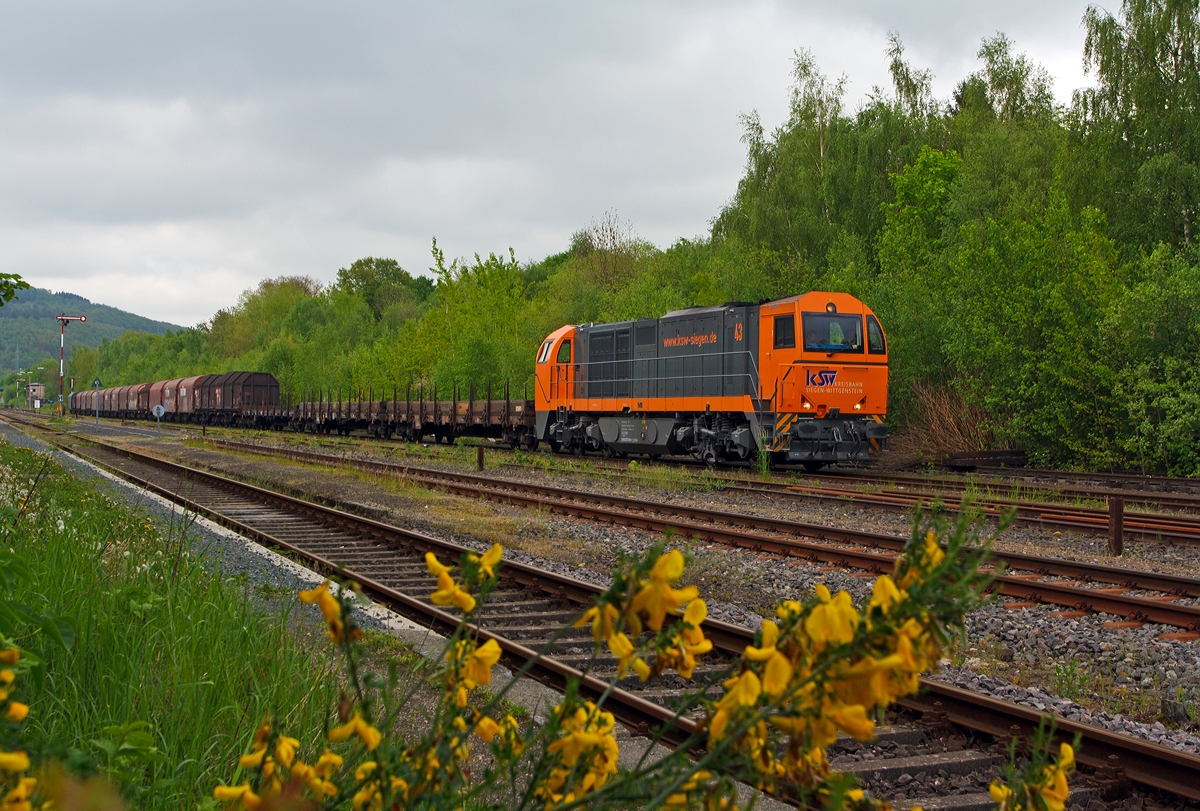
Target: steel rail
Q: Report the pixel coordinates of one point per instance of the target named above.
(1142, 526)
(632, 710)
(1188, 499)
(1143, 762)
(778, 536)
(1141, 481)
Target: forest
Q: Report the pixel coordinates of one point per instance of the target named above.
(1034, 263)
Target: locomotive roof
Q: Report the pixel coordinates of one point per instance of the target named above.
(712, 308)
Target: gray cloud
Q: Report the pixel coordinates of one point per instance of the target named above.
(163, 157)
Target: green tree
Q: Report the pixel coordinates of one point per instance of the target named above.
(1138, 129)
(10, 283)
(384, 286)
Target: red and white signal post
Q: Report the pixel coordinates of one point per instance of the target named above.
(62, 344)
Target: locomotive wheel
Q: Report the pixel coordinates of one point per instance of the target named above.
(813, 467)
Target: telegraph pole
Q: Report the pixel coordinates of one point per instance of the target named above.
(62, 345)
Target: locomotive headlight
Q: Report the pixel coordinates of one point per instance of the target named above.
(858, 406)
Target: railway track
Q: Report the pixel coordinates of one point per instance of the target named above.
(532, 604)
(1137, 525)
(1134, 595)
(901, 492)
(899, 495)
(1046, 489)
(1129, 482)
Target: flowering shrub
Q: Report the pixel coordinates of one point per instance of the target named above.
(821, 666)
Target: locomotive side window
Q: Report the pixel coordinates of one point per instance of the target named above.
(833, 333)
(875, 342)
(785, 332)
(545, 353)
(564, 352)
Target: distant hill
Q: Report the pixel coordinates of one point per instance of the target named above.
(28, 328)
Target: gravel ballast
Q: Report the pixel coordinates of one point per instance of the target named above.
(1100, 670)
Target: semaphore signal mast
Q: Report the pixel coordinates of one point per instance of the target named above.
(62, 343)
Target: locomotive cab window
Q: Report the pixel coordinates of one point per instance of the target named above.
(832, 333)
(545, 353)
(564, 352)
(875, 342)
(785, 331)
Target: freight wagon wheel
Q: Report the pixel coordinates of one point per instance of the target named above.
(813, 467)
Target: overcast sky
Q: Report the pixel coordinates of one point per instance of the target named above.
(163, 157)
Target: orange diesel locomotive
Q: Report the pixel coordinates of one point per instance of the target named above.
(804, 378)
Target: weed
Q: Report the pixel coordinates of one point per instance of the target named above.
(1070, 680)
(167, 656)
(762, 460)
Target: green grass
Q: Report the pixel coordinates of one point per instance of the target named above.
(194, 659)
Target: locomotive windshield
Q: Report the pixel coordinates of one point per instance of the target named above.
(825, 332)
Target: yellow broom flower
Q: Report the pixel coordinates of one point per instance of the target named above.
(477, 668)
(285, 750)
(740, 691)
(487, 729)
(250, 801)
(331, 610)
(933, 551)
(489, 559)
(14, 762)
(884, 594)
(656, 597)
(833, 621)
(1001, 794)
(778, 672)
(357, 726)
(603, 619)
(853, 719)
(625, 652)
(327, 764)
(693, 617)
(17, 799)
(434, 566)
(17, 712)
(450, 593)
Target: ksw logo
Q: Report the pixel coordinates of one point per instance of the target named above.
(820, 379)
